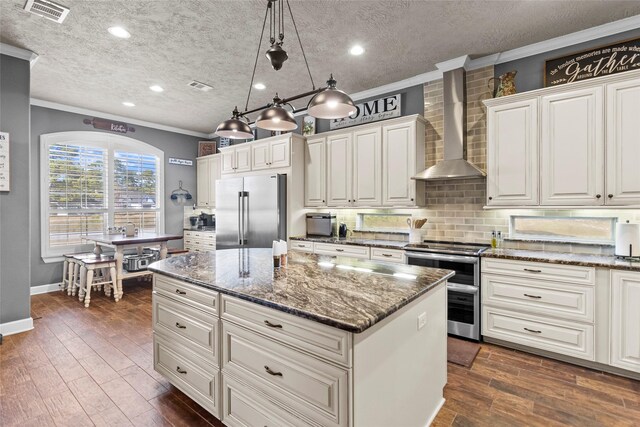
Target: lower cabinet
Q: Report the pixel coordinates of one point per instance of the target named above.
(625, 320)
(352, 251)
(199, 241)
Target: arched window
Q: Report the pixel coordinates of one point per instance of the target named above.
(90, 181)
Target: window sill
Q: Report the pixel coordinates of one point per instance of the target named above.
(52, 259)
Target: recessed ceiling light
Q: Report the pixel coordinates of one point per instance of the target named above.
(156, 88)
(128, 104)
(260, 86)
(356, 50)
(119, 32)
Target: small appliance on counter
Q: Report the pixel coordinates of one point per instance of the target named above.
(137, 262)
(342, 231)
(321, 225)
(627, 240)
(208, 220)
(195, 223)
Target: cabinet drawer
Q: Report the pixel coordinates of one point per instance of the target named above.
(195, 328)
(195, 296)
(570, 338)
(299, 245)
(245, 407)
(388, 255)
(341, 250)
(316, 389)
(324, 341)
(540, 270)
(183, 369)
(557, 299)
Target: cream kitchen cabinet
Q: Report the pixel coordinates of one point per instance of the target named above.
(623, 147)
(208, 170)
(339, 170)
(236, 159)
(625, 319)
(367, 167)
(572, 148)
(315, 172)
(512, 148)
(271, 155)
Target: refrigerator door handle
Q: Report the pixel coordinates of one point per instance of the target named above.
(240, 213)
(245, 214)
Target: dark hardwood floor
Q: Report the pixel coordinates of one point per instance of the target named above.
(94, 367)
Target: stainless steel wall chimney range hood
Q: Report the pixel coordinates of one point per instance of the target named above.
(454, 165)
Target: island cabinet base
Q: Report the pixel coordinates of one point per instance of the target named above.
(264, 367)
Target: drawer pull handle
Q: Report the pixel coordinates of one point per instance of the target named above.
(532, 331)
(179, 292)
(533, 296)
(270, 372)
(272, 325)
(181, 371)
(339, 250)
(179, 326)
(532, 271)
(387, 255)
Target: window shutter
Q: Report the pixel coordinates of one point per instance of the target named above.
(135, 178)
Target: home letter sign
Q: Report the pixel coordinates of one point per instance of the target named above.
(372, 111)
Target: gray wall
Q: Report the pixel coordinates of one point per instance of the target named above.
(531, 69)
(15, 89)
(44, 120)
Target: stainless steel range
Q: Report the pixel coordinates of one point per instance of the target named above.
(463, 288)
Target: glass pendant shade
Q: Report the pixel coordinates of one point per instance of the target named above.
(276, 118)
(234, 128)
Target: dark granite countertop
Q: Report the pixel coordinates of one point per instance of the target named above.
(586, 260)
(386, 244)
(345, 293)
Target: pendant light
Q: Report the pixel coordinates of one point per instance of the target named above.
(234, 128)
(276, 118)
(331, 103)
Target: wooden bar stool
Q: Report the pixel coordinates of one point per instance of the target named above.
(69, 270)
(97, 271)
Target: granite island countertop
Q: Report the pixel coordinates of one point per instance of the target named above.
(585, 260)
(386, 244)
(345, 293)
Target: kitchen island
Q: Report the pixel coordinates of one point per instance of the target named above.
(324, 341)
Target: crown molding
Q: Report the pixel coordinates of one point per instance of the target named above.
(454, 64)
(87, 112)
(16, 52)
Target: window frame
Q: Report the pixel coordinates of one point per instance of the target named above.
(513, 235)
(111, 143)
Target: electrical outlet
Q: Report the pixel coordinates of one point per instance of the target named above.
(422, 320)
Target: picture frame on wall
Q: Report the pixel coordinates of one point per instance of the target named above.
(206, 148)
(309, 126)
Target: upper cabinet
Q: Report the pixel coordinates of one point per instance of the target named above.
(367, 167)
(207, 172)
(315, 172)
(339, 170)
(271, 153)
(549, 147)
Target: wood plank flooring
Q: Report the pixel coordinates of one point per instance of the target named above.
(94, 367)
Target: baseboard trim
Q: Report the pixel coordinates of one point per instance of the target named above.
(52, 287)
(16, 326)
(436, 412)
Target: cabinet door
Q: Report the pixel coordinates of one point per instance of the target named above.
(202, 182)
(339, 170)
(228, 161)
(398, 164)
(214, 175)
(572, 145)
(512, 154)
(279, 153)
(260, 156)
(367, 167)
(625, 318)
(243, 158)
(315, 173)
(623, 143)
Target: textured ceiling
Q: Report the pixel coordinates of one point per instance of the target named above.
(174, 42)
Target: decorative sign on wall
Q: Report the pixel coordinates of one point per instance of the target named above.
(601, 61)
(181, 162)
(5, 173)
(372, 111)
(109, 125)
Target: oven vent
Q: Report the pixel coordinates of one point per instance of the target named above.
(200, 86)
(47, 9)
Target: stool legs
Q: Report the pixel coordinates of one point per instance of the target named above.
(89, 281)
(114, 284)
(65, 273)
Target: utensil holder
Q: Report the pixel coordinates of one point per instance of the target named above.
(415, 236)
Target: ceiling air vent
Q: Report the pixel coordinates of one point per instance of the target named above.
(200, 86)
(47, 9)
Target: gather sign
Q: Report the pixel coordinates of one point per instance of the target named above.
(601, 61)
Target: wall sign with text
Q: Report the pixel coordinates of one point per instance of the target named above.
(109, 125)
(601, 61)
(372, 111)
(5, 172)
(181, 162)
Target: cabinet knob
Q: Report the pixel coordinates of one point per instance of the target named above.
(490, 198)
(323, 201)
(610, 196)
(598, 196)
(412, 200)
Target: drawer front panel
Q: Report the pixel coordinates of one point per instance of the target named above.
(198, 328)
(323, 341)
(184, 292)
(198, 381)
(297, 245)
(540, 270)
(557, 299)
(342, 250)
(570, 338)
(310, 386)
(388, 255)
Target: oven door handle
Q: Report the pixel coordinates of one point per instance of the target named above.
(439, 257)
(463, 289)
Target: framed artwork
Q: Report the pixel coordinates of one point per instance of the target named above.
(206, 148)
(5, 174)
(224, 142)
(309, 126)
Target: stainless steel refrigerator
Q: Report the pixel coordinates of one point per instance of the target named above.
(251, 212)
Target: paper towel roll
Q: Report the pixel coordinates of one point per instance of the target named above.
(627, 239)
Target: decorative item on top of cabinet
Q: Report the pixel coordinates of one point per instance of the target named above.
(506, 84)
(208, 171)
(625, 318)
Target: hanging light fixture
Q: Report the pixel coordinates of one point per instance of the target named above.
(327, 102)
